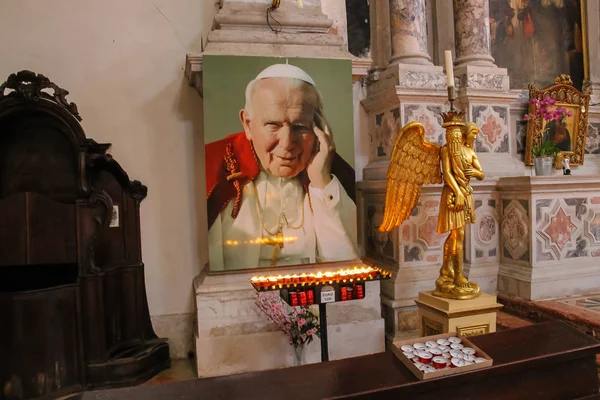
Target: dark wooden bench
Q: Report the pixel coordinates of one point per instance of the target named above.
(545, 361)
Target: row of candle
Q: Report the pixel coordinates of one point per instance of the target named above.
(340, 276)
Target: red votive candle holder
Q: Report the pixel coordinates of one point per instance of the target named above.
(424, 357)
(360, 294)
(439, 362)
(303, 299)
(293, 299)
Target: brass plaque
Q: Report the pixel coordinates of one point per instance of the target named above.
(473, 330)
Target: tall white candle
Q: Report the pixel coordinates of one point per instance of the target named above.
(449, 68)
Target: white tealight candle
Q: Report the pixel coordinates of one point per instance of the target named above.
(449, 68)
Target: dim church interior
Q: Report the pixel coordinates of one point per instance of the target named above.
(536, 242)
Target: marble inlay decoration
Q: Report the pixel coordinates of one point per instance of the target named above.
(423, 80)
(592, 144)
(427, 232)
(515, 231)
(564, 228)
(588, 303)
(560, 229)
(592, 228)
(421, 244)
(378, 245)
(387, 126)
(493, 124)
(429, 116)
(482, 81)
(471, 27)
(487, 228)
(485, 231)
(408, 24)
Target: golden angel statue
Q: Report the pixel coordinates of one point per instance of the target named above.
(416, 162)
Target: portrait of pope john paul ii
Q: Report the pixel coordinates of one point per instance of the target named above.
(279, 146)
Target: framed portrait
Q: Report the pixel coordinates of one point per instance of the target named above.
(567, 129)
(279, 148)
(538, 40)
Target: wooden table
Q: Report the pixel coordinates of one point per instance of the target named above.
(545, 361)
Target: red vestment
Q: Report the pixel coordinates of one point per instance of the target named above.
(231, 164)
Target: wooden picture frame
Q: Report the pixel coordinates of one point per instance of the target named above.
(574, 134)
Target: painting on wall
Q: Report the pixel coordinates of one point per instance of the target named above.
(538, 40)
(279, 148)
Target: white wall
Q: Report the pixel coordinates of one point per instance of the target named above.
(122, 62)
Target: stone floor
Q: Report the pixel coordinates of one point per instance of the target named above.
(181, 370)
(588, 303)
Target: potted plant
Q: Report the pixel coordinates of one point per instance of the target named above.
(544, 157)
(544, 154)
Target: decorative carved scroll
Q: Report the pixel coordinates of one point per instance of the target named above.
(29, 86)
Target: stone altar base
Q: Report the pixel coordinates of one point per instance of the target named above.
(234, 336)
(465, 317)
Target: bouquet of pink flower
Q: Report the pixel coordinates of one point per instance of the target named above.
(299, 324)
(544, 110)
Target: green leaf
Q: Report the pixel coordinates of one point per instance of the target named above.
(547, 149)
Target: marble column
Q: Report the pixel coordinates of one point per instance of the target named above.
(472, 33)
(379, 14)
(408, 26)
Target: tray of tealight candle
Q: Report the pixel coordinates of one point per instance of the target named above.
(440, 355)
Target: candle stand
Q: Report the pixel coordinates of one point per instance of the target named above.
(321, 288)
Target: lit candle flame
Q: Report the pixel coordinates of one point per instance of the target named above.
(343, 275)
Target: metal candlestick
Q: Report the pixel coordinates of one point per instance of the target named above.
(452, 97)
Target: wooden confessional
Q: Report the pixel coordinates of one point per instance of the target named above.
(73, 307)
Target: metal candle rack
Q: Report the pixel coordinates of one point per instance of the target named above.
(327, 287)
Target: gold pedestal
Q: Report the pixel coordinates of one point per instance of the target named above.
(465, 317)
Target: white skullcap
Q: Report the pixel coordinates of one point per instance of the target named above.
(285, 71)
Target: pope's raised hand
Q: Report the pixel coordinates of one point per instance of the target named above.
(319, 166)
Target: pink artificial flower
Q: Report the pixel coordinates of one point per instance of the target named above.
(527, 117)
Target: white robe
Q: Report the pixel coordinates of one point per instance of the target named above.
(328, 232)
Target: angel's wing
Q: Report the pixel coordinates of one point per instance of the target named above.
(414, 162)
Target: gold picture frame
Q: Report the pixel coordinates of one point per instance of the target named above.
(572, 128)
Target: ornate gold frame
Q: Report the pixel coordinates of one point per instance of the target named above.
(568, 96)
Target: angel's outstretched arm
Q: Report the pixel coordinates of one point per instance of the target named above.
(477, 166)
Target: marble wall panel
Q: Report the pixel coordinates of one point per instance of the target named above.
(419, 242)
(567, 228)
(386, 126)
(515, 230)
(521, 136)
(429, 116)
(485, 231)
(379, 245)
(592, 144)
